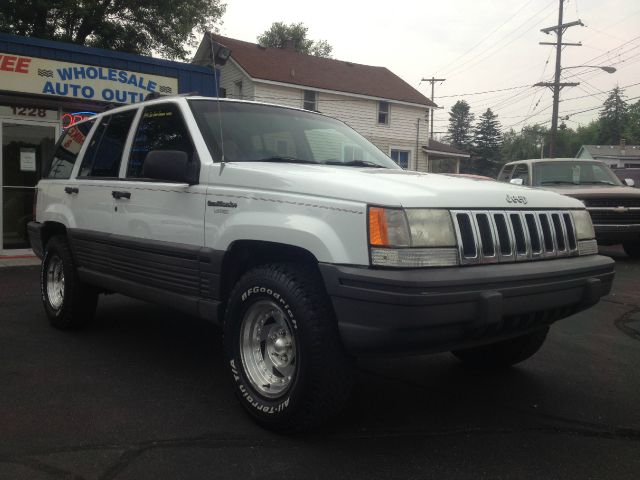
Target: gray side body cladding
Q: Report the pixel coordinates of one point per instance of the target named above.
(185, 277)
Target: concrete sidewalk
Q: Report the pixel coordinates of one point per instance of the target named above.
(18, 260)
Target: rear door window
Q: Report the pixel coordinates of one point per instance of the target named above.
(68, 149)
(104, 152)
(161, 128)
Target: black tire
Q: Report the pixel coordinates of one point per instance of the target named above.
(322, 373)
(74, 304)
(503, 354)
(632, 249)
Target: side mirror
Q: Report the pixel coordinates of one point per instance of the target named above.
(516, 181)
(629, 182)
(168, 165)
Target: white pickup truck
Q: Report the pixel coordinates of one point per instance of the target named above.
(307, 244)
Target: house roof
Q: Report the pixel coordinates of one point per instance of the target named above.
(285, 65)
(439, 148)
(613, 151)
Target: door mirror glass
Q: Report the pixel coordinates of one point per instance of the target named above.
(516, 181)
(629, 182)
(168, 165)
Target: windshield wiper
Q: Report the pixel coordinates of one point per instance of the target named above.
(598, 182)
(283, 159)
(354, 163)
(557, 182)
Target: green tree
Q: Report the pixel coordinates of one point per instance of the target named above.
(165, 27)
(613, 118)
(460, 130)
(279, 33)
(486, 145)
(632, 130)
(527, 143)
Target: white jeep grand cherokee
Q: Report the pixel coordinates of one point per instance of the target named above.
(306, 244)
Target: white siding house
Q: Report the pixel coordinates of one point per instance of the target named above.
(372, 100)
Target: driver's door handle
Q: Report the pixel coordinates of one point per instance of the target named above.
(118, 195)
(70, 190)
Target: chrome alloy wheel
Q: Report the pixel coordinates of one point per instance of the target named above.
(268, 349)
(55, 282)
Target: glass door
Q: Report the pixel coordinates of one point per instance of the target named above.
(25, 145)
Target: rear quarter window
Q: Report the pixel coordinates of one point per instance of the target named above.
(68, 148)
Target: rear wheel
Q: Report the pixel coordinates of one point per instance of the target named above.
(632, 248)
(67, 301)
(503, 354)
(283, 349)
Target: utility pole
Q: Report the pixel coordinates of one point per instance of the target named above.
(556, 86)
(432, 81)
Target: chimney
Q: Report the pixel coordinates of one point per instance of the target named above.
(623, 145)
(289, 44)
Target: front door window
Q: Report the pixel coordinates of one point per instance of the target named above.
(24, 148)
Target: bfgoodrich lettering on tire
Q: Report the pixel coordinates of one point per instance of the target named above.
(283, 350)
(67, 301)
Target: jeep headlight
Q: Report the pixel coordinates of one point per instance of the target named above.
(585, 234)
(584, 227)
(412, 237)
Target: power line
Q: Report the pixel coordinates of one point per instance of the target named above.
(481, 56)
(485, 38)
(481, 93)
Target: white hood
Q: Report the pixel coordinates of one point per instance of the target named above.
(387, 187)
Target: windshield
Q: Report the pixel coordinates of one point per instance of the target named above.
(573, 173)
(263, 133)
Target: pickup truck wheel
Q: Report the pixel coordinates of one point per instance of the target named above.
(632, 249)
(283, 349)
(505, 353)
(68, 302)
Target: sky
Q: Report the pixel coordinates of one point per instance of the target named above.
(477, 46)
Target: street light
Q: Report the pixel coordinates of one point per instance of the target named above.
(556, 86)
(606, 69)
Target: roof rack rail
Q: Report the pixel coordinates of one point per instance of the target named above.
(154, 95)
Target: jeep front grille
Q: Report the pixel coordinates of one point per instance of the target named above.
(492, 236)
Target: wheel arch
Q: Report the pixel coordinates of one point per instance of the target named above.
(242, 255)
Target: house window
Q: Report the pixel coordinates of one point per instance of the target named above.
(309, 102)
(352, 153)
(383, 113)
(237, 89)
(401, 157)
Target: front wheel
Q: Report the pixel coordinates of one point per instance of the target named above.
(632, 249)
(283, 349)
(67, 301)
(503, 354)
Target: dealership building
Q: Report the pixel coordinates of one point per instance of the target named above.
(45, 87)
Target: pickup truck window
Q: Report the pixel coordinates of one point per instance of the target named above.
(573, 173)
(521, 171)
(506, 173)
(67, 150)
(161, 128)
(104, 152)
(254, 133)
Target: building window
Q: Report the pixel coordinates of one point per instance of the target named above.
(352, 153)
(401, 157)
(237, 89)
(309, 102)
(383, 113)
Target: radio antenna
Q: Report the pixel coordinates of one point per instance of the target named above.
(222, 59)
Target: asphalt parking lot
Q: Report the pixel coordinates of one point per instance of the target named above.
(142, 393)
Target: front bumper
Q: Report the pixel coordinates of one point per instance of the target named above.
(429, 310)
